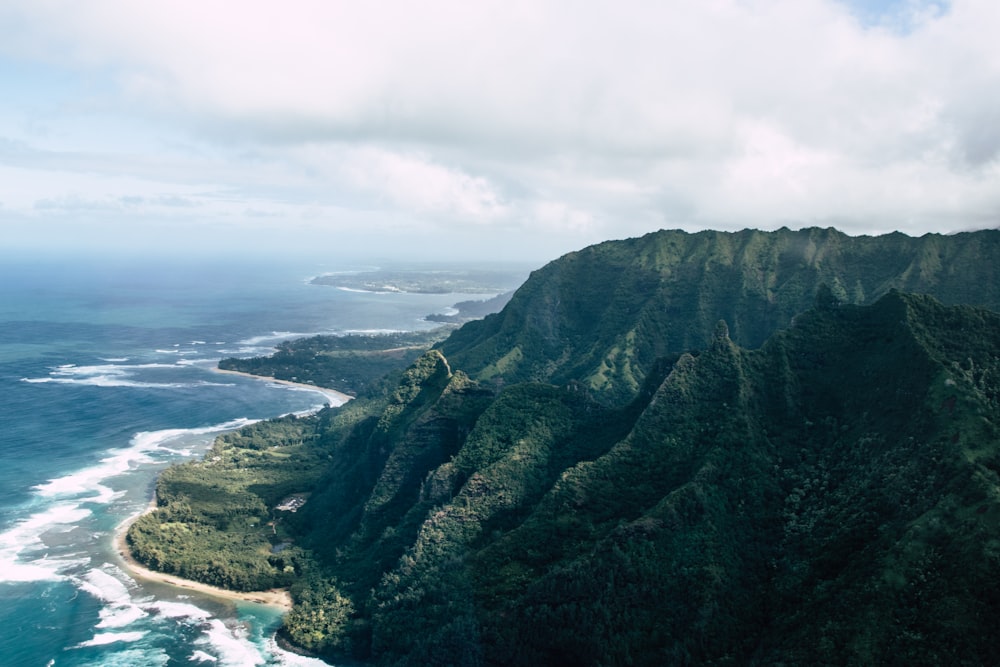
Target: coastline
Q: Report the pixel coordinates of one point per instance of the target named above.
(335, 398)
(277, 597)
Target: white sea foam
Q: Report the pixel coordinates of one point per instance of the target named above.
(211, 363)
(201, 656)
(119, 617)
(23, 554)
(177, 610)
(105, 587)
(332, 399)
(105, 638)
(120, 609)
(130, 657)
(143, 444)
(289, 659)
(247, 351)
(114, 375)
(272, 337)
(232, 644)
(88, 480)
(359, 291)
(25, 538)
(371, 332)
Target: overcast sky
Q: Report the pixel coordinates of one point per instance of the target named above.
(492, 129)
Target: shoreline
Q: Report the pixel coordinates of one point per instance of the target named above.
(335, 398)
(276, 597)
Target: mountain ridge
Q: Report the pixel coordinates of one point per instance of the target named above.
(604, 314)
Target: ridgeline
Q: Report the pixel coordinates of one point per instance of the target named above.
(748, 448)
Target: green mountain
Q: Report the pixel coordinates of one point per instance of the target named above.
(831, 497)
(604, 315)
(714, 448)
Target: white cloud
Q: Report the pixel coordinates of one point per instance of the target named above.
(586, 120)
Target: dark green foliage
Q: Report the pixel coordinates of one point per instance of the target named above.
(603, 315)
(754, 502)
(322, 615)
(473, 310)
(215, 520)
(352, 363)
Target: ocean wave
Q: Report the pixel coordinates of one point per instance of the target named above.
(105, 638)
(218, 642)
(113, 381)
(25, 537)
(371, 332)
(117, 375)
(247, 351)
(180, 351)
(209, 362)
(120, 610)
(231, 644)
(289, 659)
(366, 291)
(273, 337)
(24, 555)
(130, 657)
(177, 610)
(119, 461)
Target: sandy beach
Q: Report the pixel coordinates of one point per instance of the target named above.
(334, 397)
(277, 597)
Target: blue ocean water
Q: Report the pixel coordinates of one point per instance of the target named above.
(106, 377)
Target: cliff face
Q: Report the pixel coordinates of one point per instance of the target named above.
(605, 314)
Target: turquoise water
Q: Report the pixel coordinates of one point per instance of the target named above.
(106, 377)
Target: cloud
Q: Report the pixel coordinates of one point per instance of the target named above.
(579, 121)
(417, 183)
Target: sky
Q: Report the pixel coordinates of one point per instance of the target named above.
(489, 130)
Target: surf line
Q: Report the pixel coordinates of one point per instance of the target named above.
(334, 398)
(275, 597)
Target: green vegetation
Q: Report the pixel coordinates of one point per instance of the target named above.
(350, 363)
(216, 519)
(605, 314)
(473, 310)
(683, 449)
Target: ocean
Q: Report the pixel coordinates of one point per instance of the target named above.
(106, 374)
